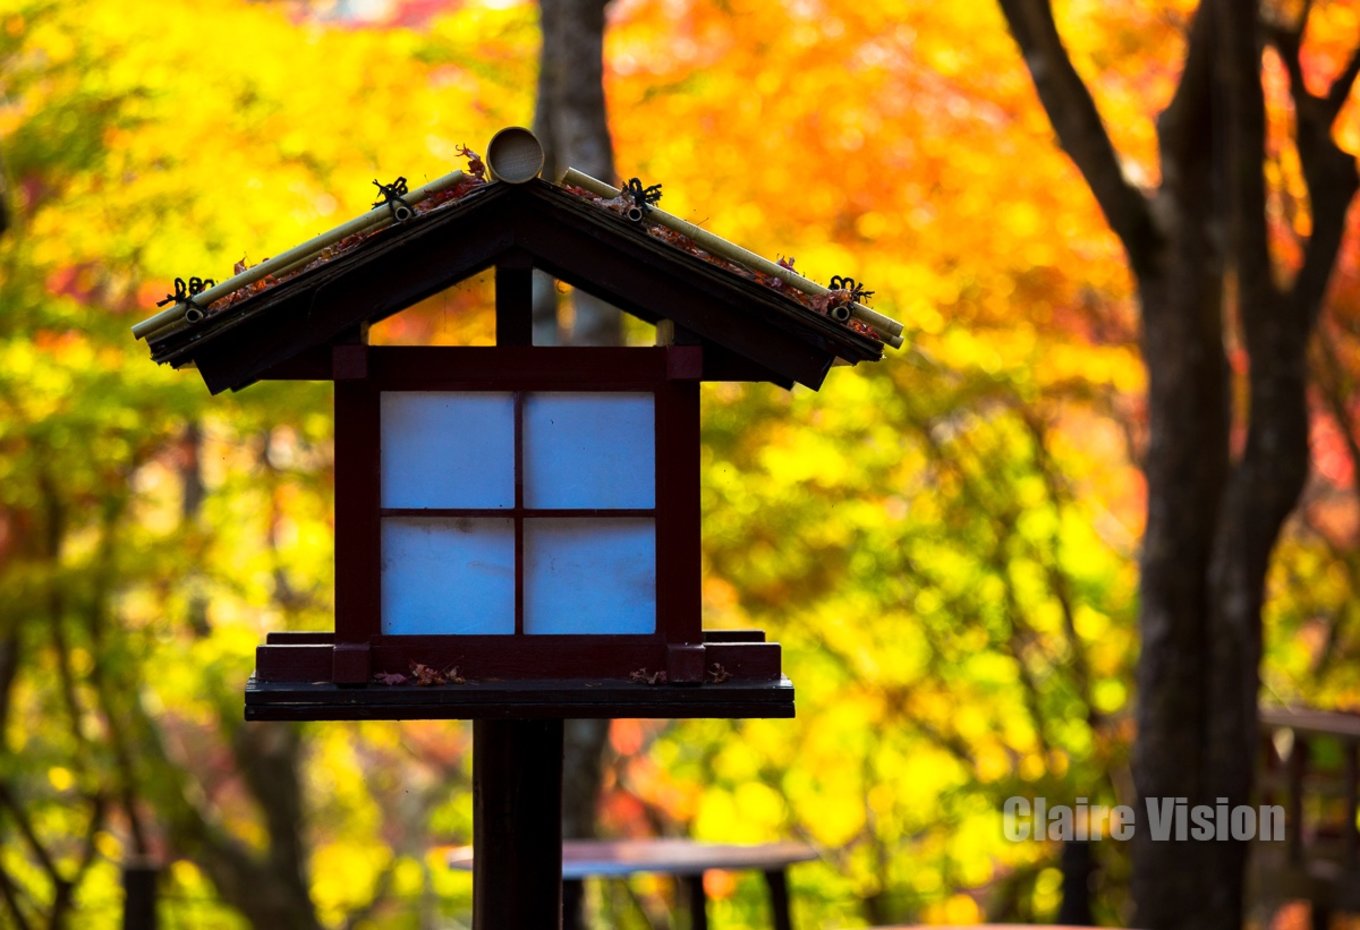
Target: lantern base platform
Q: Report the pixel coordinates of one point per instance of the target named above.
(555, 698)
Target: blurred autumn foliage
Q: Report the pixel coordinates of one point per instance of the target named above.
(945, 543)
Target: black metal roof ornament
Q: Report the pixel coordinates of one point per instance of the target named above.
(185, 292)
(392, 195)
(855, 292)
(642, 197)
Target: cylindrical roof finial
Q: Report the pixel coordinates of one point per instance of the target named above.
(514, 155)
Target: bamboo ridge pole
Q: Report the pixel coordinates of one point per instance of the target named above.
(285, 261)
(890, 329)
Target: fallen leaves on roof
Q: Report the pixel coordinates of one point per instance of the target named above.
(823, 304)
(429, 205)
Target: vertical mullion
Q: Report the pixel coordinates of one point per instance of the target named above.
(358, 527)
(679, 605)
(514, 300)
(519, 512)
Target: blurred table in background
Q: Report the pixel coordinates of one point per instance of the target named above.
(685, 860)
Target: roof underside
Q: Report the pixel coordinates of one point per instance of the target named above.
(591, 249)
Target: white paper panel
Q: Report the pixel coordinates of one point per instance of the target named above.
(448, 575)
(585, 575)
(589, 450)
(448, 449)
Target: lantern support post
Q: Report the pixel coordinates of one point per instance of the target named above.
(517, 824)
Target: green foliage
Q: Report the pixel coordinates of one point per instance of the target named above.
(148, 535)
(958, 630)
(944, 544)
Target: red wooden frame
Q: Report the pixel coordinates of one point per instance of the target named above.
(518, 675)
(669, 373)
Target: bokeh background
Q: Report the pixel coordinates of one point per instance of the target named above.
(944, 543)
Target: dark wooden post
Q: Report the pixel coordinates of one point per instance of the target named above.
(1077, 863)
(698, 901)
(515, 300)
(1293, 823)
(358, 466)
(139, 895)
(573, 903)
(517, 824)
(781, 914)
(1351, 848)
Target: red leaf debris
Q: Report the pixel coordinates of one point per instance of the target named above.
(426, 675)
(819, 303)
(476, 167)
(336, 249)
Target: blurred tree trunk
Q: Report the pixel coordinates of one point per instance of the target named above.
(1198, 249)
(571, 122)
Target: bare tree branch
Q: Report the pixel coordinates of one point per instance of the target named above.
(1058, 581)
(30, 835)
(9, 671)
(1186, 159)
(1241, 125)
(1072, 111)
(63, 886)
(64, 899)
(1341, 87)
(10, 894)
(1329, 173)
(52, 538)
(249, 882)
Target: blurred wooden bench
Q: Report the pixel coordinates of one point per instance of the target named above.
(1312, 767)
(685, 860)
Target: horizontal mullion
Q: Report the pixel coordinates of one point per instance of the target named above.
(398, 383)
(525, 512)
(517, 367)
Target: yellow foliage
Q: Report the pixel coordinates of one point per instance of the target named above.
(957, 909)
(938, 542)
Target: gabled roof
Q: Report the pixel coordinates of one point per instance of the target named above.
(734, 315)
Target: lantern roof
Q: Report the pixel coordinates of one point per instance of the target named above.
(753, 325)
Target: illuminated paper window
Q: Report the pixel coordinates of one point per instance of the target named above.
(528, 512)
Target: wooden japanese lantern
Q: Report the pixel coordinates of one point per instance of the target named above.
(517, 526)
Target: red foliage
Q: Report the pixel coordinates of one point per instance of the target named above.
(476, 167)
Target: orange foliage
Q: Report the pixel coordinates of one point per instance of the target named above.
(892, 532)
